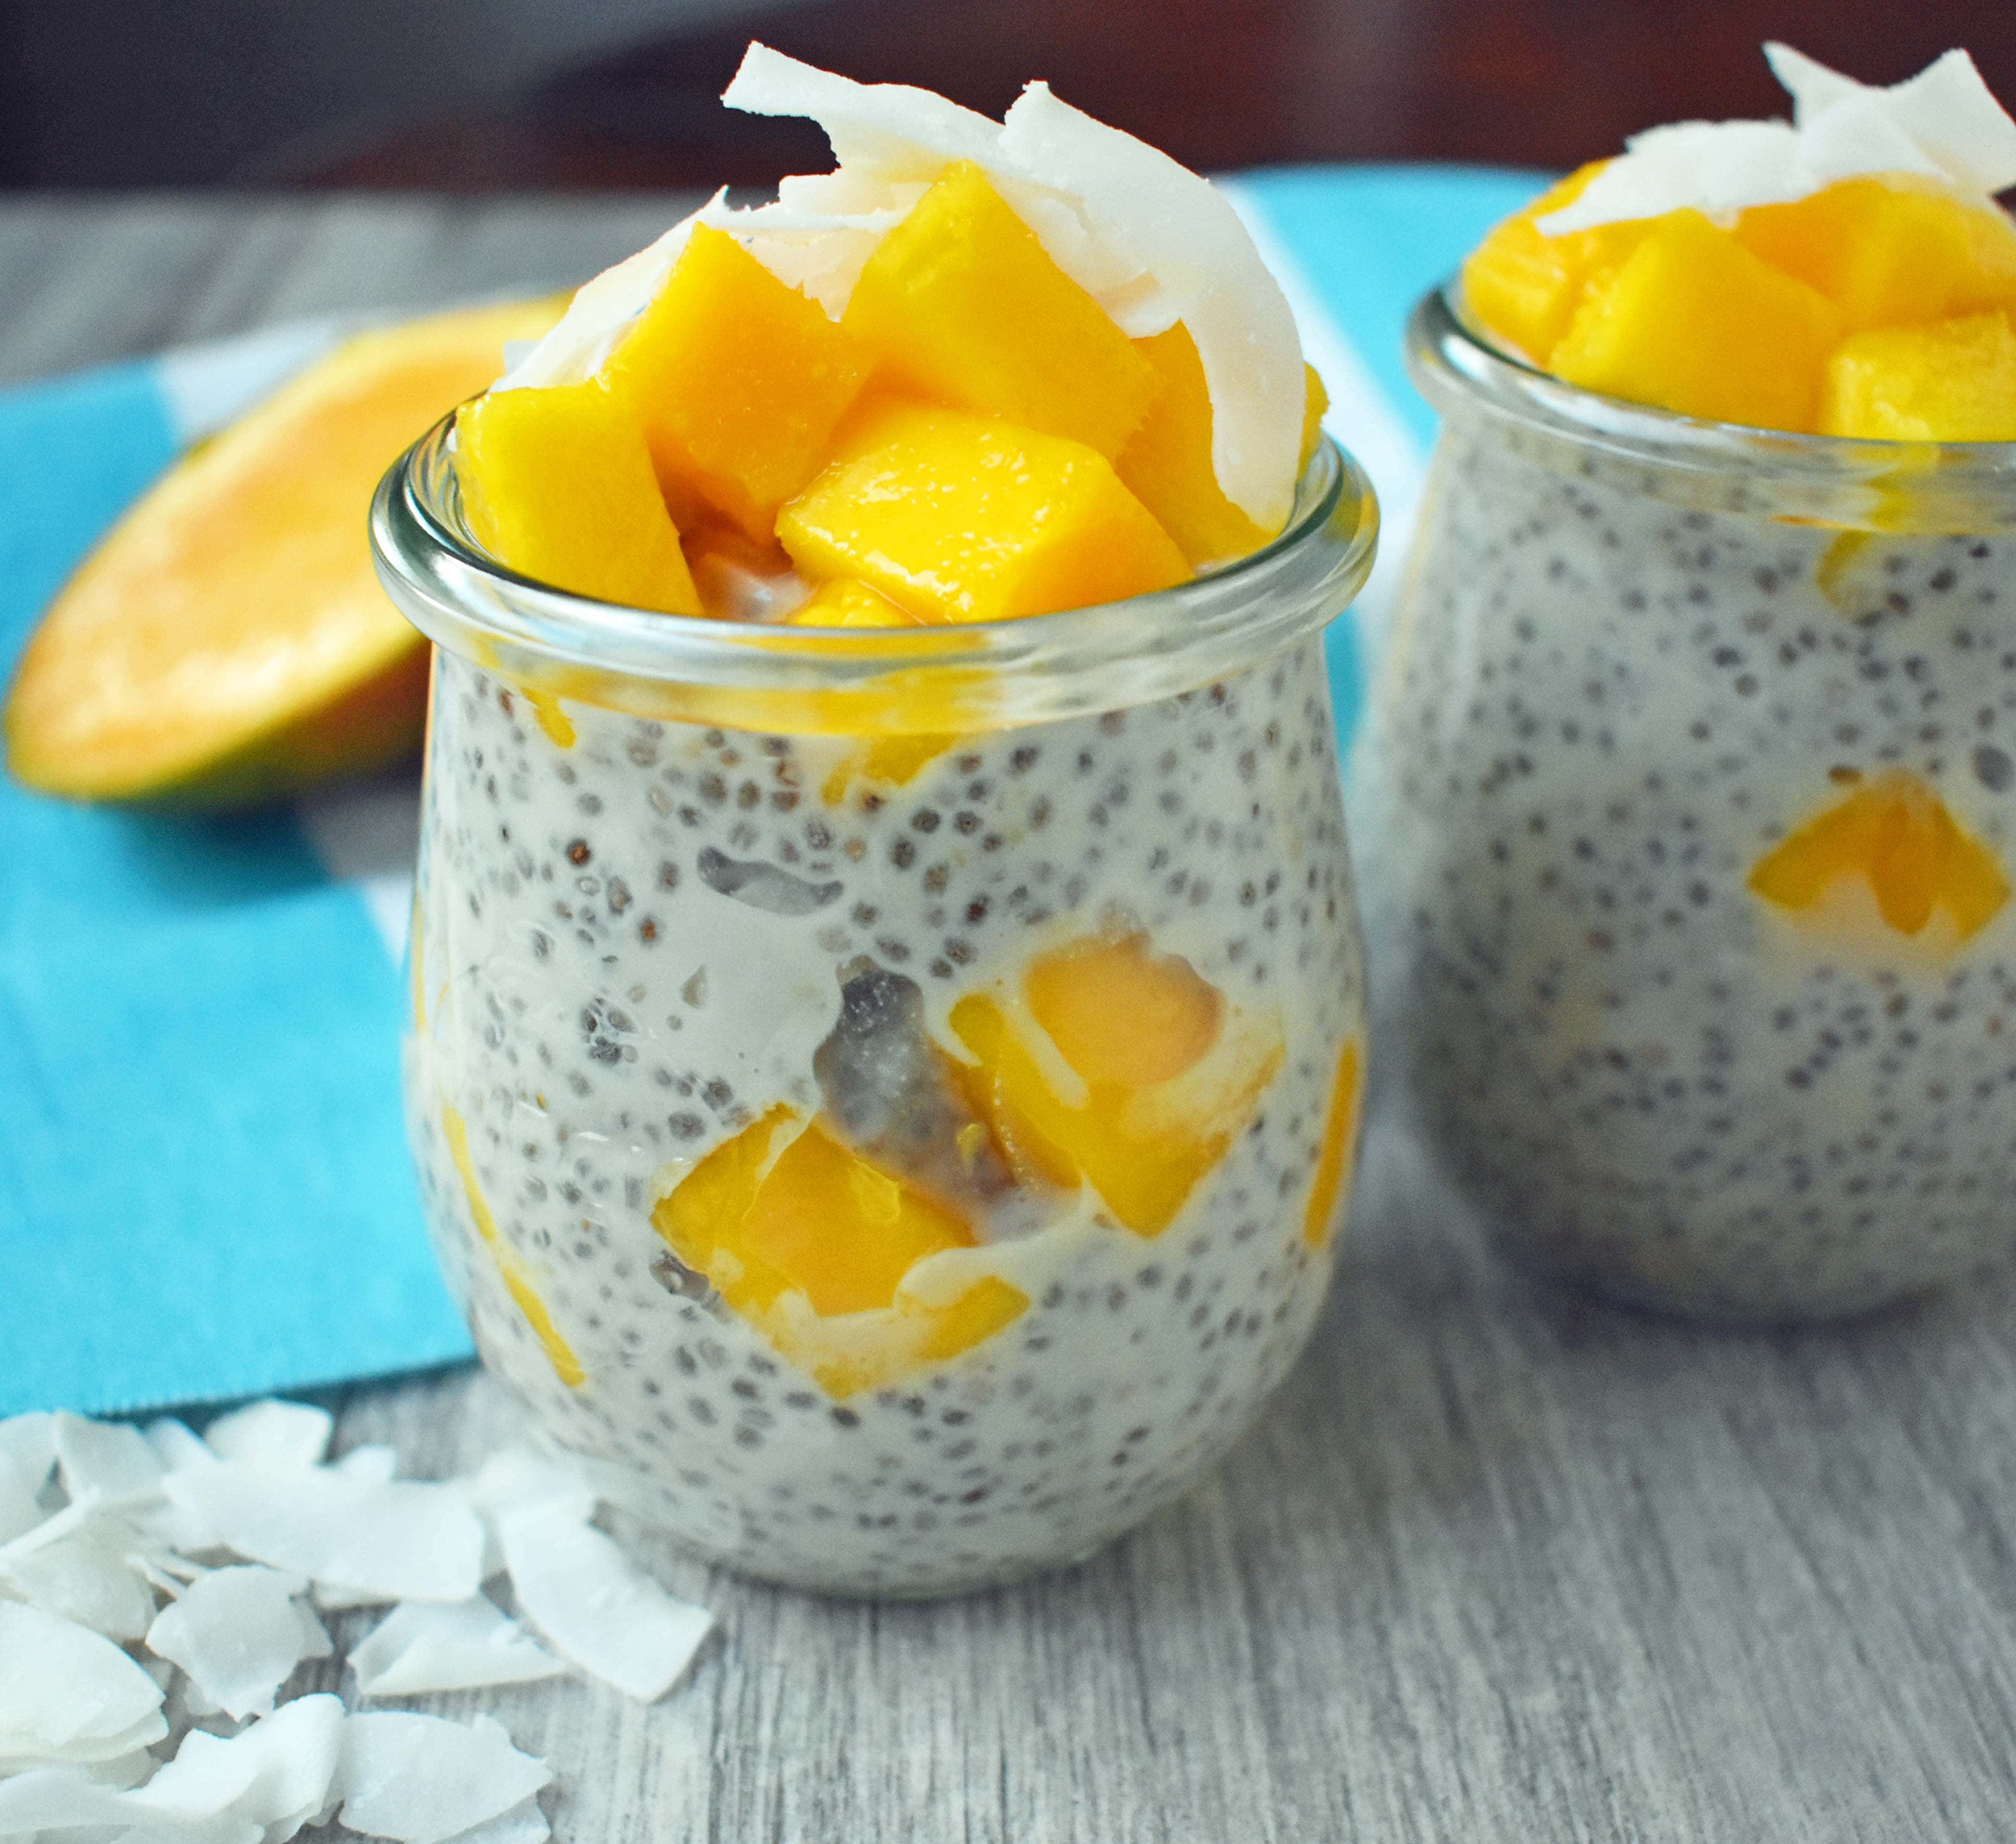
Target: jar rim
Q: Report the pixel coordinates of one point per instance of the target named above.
(982, 674)
(1881, 486)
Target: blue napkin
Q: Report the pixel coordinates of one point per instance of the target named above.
(204, 1189)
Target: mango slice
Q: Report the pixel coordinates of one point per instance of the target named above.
(960, 518)
(228, 641)
(1895, 832)
(1168, 464)
(1526, 288)
(847, 602)
(557, 483)
(1954, 381)
(962, 306)
(1888, 251)
(511, 1268)
(1144, 1145)
(738, 382)
(1336, 1153)
(1693, 321)
(812, 1244)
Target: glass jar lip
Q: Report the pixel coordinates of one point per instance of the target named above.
(1102, 657)
(1952, 487)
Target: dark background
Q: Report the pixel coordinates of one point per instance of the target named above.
(503, 94)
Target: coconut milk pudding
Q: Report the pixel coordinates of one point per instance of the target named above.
(886, 1096)
(1691, 775)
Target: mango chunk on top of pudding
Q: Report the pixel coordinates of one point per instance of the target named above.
(946, 438)
(1768, 314)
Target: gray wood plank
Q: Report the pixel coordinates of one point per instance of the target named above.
(1497, 1564)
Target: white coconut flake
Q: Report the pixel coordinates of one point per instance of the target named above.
(239, 1633)
(522, 1825)
(52, 1798)
(1943, 125)
(380, 1540)
(175, 1446)
(277, 1774)
(372, 1462)
(425, 1780)
(105, 1462)
(597, 1607)
(421, 1647)
(285, 1435)
(68, 1694)
(89, 1576)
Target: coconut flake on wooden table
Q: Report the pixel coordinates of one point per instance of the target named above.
(420, 1646)
(278, 1773)
(1944, 125)
(287, 1435)
(425, 1780)
(68, 1694)
(239, 1632)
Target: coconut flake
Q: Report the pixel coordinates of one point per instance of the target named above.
(595, 1605)
(1944, 124)
(89, 1576)
(522, 1825)
(277, 1774)
(27, 1452)
(68, 1694)
(48, 1798)
(396, 1540)
(285, 1435)
(105, 1462)
(239, 1634)
(421, 1647)
(425, 1780)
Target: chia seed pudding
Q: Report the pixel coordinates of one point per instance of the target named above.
(643, 938)
(1643, 665)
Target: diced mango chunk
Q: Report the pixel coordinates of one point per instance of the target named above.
(1142, 1146)
(1954, 381)
(1525, 287)
(1889, 250)
(557, 484)
(1329, 1187)
(1118, 1011)
(1895, 832)
(812, 1244)
(1693, 322)
(511, 1268)
(1168, 466)
(738, 382)
(962, 306)
(960, 518)
(847, 602)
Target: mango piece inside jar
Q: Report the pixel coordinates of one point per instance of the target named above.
(1155, 1116)
(961, 517)
(812, 1244)
(1330, 1185)
(847, 602)
(558, 484)
(1895, 833)
(1693, 321)
(1889, 251)
(1953, 381)
(738, 383)
(1167, 464)
(962, 306)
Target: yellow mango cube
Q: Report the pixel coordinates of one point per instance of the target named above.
(1525, 287)
(960, 518)
(1168, 464)
(1118, 1011)
(557, 483)
(1888, 251)
(1693, 322)
(738, 382)
(1954, 381)
(962, 306)
(848, 602)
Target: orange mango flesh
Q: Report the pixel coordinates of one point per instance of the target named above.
(1895, 833)
(1868, 309)
(962, 305)
(738, 383)
(1693, 322)
(848, 602)
(1118, 1012)
(961, 517)
(1953, 381)
(1167, 464)
(1142, 1145)
(228, 640)
(1336, 1152)
(793, 1228)
(510, 1266)
(557, 483)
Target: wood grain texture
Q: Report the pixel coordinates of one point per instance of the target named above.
(1497, 1564)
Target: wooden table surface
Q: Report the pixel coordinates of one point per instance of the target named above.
(1496, 1565)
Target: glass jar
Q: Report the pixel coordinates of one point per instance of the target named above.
(886, 1095)
(1690, 774)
